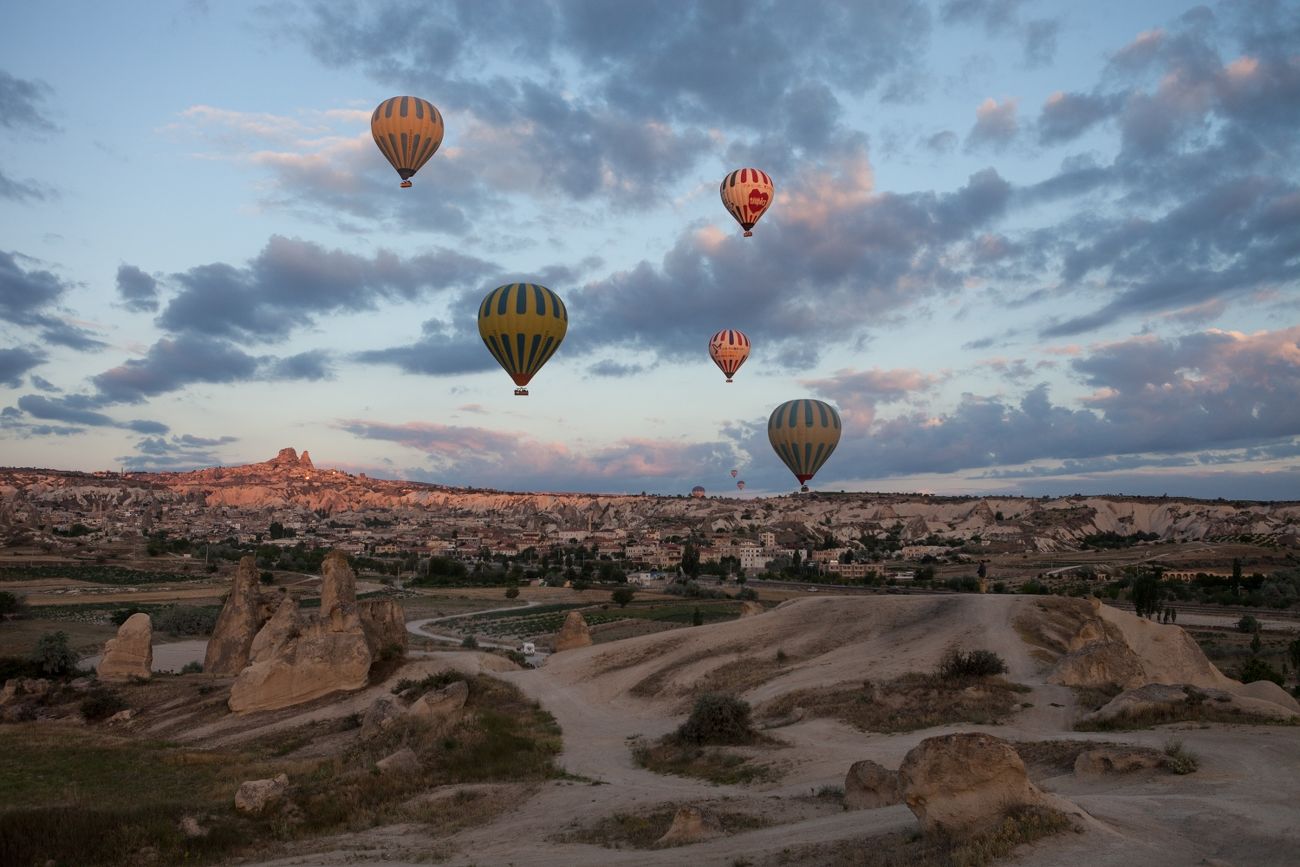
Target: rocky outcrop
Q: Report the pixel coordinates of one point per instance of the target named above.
(965, 782)
(1101, 663)
(298, 657)
(384, 623)
(240, 619)
(750, 609)
(1116, 760)
(869, 785)
(130, 654)
(690, 825)
(1157, 702)
(403, 763)
(256, 797)
(574, 633)
(382, 714)
(440, 706)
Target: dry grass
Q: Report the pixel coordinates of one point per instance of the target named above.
(715, 764)
(1018, 828)
(1195, 707)
(907, 703)
(1058, 757)
(642, 831)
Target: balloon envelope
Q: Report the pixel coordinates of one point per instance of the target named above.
(746, 194)
(729, 348)
(522, 324)
(735, 473)
(408, 130)
(697, 491)
(804, 433)
(741, 484)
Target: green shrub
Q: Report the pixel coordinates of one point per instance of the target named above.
(192, 667)
(1248, 623)
(959, 665)
(717, 719)
(1179, 760)
(470, 643)
(53, 654)
(437, 680)
(100, 704)
(1257, 669)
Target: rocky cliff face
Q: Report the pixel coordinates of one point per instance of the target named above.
(290, 481)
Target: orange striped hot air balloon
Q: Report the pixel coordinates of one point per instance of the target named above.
(729, 348)
(746, 193)
(408, 131)
(522, 324)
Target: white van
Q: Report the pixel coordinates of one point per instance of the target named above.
(528, 648)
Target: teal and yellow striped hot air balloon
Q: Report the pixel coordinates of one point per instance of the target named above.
(408, 130)
(522, 324)
(804, 433)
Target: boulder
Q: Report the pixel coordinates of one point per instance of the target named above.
(1116, 760)
(869, 785)
(965, 782)
(191, 828)
(19, 688)
(441, 705)
(1174, 700)
(239, 621)
(1099, 663)
(298, 657)
(384, 623)
(255, 797)
(690, 825)
(404, 763)
(574, 633)
(750, 609)
(379, 717)
(130, 654)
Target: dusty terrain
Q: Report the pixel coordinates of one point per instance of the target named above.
(607, 693)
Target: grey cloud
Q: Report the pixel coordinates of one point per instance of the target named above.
(181, 453)
(44, 384)
(995, 125)
(204, 442)
(1040, 41)
(292, 282)
(27, 294)
(18, 191)
(440, 350)
(17, 361)
(74, 411)
(21, 104)
(609, 367)
(313, 365)
(173, 363)
(1066, 116)
(944, 142)
(138, 290)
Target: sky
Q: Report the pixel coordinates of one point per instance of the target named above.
(1024, 248)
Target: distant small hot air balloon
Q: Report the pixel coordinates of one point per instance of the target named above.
(697, 492)
(408, 131)
(746, 193)
(522, 324)
(803, 434)
(735, 473)
(729, 348)
(741, 484)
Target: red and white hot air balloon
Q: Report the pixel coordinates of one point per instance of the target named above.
(729, 348)
(747, 193)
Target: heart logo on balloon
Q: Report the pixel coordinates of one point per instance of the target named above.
(757, 201)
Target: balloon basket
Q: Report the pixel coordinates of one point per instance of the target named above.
(406, 185)
(521, 392)
(803, 489)
(728, 379)
(749, 234)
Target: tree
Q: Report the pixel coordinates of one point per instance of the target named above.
(1248, 623)
(53, 654)
(1236, 570)
(1293, 650)
(9, 603)
(512, 592)
(622, 595)
(1255, 643)
(697, 617)
(1146, 595)
(691, 560)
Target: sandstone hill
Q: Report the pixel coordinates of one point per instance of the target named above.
(291, 481)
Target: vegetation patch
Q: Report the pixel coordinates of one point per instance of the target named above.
(642, 831)
(413, 689)
(98, 574)
(1018, 828)
(693, 750)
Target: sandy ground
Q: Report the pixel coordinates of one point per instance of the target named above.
(1239, 808)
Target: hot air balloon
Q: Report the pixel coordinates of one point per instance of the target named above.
(697, 492)
(804, 433)
(741, 484)
(746, 193)
(408, 131)
(729, 348)
(735, 473)
(522, 324)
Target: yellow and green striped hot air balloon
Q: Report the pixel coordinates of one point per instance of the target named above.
(804, 433)
(522, 324)
(408, 130)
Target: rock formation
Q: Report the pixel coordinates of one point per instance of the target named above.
(257, 796)
(869, 785)
(441, 705)
(574, 633)
(1171, 701)
(297, 657)
(750, 609)
(403, 763)
(241, 618)
(130, 654)
(1115, 760)
(690, 825)
(384, 623)
(965, 782)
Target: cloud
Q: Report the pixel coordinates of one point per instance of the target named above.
(17, 361)
(440, 350)
(858, 393)
(75, 410)
(312, 366)
(177, 453)
(18, 191)
(21, 105)
(995, 125)
(1066, 116)
(517, 461)
(26, 296)
(292, 282)
(609, 367)
(138, 290)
